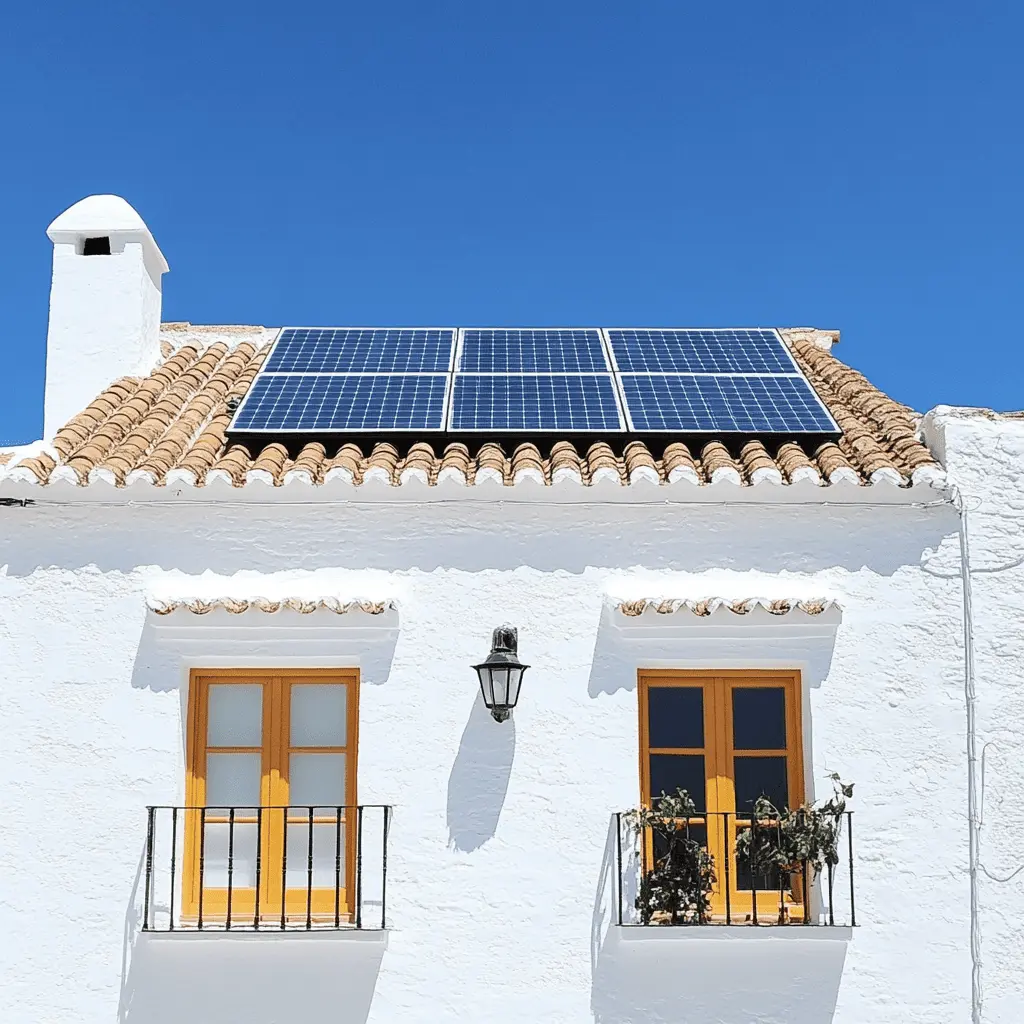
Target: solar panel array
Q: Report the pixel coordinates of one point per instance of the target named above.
(531, 380)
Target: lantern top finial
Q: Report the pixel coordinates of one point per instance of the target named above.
(505, 640)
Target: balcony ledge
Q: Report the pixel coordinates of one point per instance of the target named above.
(734, 933)
(371, 935)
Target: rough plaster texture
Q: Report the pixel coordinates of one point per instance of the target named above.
(985, 454)
(499, 891)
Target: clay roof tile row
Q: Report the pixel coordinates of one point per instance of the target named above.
(175, 420)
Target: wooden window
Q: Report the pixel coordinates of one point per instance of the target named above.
(264, 748)
(727, 738)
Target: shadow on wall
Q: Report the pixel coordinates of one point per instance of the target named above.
(258, 978)
(252, 979)
(479, 778)
(730, 980)
(659, 975)
(622, 646)
(473, 536)
(168, 642)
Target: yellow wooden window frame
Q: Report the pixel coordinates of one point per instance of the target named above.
(275, 752)
(719, 753)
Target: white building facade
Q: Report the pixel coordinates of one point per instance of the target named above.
(186, 626)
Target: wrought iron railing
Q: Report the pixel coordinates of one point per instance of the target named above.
(270, 869)
(793, 894)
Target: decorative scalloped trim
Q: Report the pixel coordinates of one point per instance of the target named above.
(704, 607)
(237, 607)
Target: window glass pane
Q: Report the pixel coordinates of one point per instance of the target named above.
(768, 880)
(759, 718)
(670, 772)
(235, 716)
(233, 780)
(696, 833)
(318, 715)
(243, 859)
(317, 779)
(760, 776)
(327, 850)
(675, 716)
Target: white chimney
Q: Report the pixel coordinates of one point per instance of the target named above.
(104, 304)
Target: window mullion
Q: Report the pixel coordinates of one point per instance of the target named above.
(276, 754)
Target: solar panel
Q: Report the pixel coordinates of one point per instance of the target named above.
(362, 350)
(643, 350)
(522, 380)
(743, 404)
(532, 350)
(566, 402)
(328, 402)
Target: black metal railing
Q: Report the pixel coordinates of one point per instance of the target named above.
(266, 868)
(792, 894)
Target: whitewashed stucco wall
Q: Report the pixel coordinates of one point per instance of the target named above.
(985, 456)
(500, 832)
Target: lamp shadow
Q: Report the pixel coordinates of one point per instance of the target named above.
(479, 778)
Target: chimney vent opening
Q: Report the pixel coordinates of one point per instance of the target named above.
(97, 246)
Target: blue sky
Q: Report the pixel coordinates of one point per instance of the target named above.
(850, 166)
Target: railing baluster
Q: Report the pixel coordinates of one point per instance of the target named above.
(807, 892)
(831, 879)
(849, 835)
(753, 859)
(309, 875)
(149, 867)
(174, 855)
(783, 879)
(337, 868)
(384, 869)
(231, 864)
(202, 864)
(284, 864)
(359, 867)
(618, 867)
(728, 883)
(259, 858)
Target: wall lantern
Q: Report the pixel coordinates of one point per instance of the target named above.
(501, 674)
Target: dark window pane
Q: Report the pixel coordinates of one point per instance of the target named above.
(766, 880)
(697, 833)
(670, 772)
(760, 776)
(675, 716)
(759, 718)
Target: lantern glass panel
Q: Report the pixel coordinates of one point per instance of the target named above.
(485, 685)
(500, 678)
(515, 681)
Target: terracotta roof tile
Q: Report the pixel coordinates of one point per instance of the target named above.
(705, 607)
(239, 606)
(171, 426)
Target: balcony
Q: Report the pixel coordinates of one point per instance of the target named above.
(266, 869)
(696, 871)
